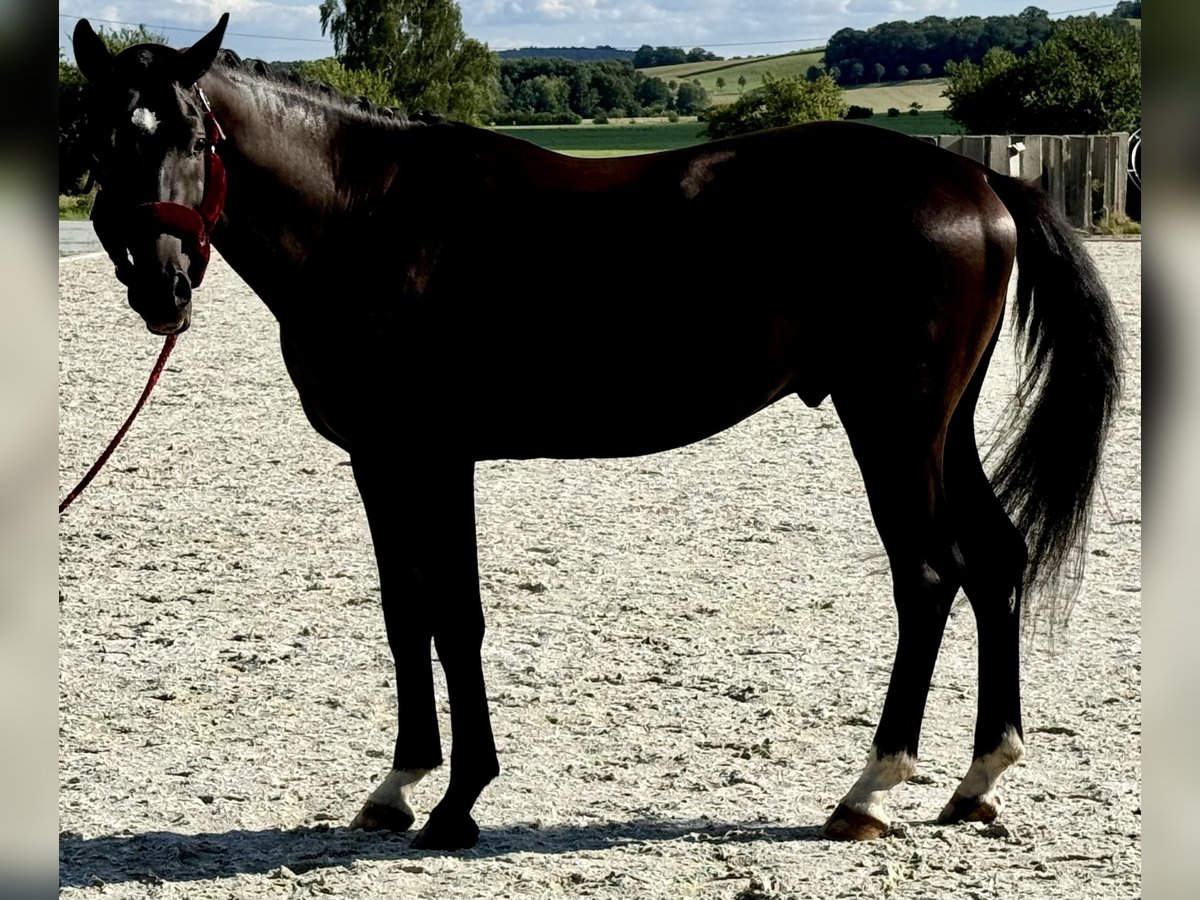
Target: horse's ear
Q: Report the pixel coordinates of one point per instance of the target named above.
(91, 53)
(198, 57)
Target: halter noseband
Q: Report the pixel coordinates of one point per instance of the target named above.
(114, 225)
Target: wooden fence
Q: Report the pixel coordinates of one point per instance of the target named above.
(1085, 175)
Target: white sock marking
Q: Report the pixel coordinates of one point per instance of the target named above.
(980, 780)
(880, 775)
(396, 790)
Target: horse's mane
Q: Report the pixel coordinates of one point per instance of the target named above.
(322, 94)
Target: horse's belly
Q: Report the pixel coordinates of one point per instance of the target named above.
(578, 419)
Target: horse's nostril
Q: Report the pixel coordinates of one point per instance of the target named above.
(183, 289)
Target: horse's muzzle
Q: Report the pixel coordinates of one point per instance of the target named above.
(164, 301)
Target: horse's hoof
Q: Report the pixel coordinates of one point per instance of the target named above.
(848, 824)
(445, 833)
(377, 817)
(970, 809)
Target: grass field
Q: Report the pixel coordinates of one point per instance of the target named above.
(927, 92)
(609, 140)
(781, 66)
(75, 207)
(624, 138)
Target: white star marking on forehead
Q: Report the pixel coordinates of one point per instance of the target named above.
(145, 120)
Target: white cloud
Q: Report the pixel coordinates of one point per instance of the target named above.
(751, 26)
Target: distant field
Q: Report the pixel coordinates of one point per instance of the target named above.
(924, 122)
(927, 92)
(708, 72)
(624, 138)
(608, 140)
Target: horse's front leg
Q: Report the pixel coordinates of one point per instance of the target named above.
(423, 528)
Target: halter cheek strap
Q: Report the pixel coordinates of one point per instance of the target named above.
(116, 226)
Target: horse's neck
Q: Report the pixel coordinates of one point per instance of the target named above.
(282, 190)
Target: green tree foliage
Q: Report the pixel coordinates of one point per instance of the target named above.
(1085, 79)
(593, 88)
(720, 83)
(647, 57)
(652, 94)
(690, 99)
(543, 94)
(910, 44)
(73, 159)
(780, 101)
(902, 72)
(356, 83)
(1128, 9)
(420, 49)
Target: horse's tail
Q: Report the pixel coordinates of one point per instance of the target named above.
(1046, 479)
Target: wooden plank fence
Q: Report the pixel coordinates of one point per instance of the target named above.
(1085, 175)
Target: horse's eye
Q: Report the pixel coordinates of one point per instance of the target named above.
(200, 146)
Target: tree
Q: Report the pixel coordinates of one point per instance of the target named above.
(780, 101)
(720, 83)
(652, 92)
(741, 82)
(419, 47)
(1085, 79)
(857, 70)
(880, 71)
(690, 99)
(813, 73)
(542, 94)
(924, 70)
(74, 160)
(902, 72)
(647, 57)
(358, 83)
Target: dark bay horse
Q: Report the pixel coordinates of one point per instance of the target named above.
(425, 280)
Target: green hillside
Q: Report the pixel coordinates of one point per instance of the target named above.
(879, 97)
(780, 66)
(927, 92)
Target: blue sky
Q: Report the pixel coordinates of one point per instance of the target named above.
(291, 29)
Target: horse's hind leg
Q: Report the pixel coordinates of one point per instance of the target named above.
(898, 442)
(994, 562)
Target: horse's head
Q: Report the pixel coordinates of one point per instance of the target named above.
(153, 140)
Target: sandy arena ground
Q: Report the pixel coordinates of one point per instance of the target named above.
(686, 656)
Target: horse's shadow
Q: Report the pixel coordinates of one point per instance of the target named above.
(167, 856)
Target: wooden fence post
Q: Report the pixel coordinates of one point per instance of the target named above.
(1053, 176)
(1077, 169)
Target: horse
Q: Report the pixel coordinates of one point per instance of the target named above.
(424, 276)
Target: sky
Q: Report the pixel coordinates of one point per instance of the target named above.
(291, 29)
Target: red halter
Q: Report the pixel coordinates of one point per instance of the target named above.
(192, 226)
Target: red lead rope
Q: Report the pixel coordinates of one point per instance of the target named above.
(112, 445)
